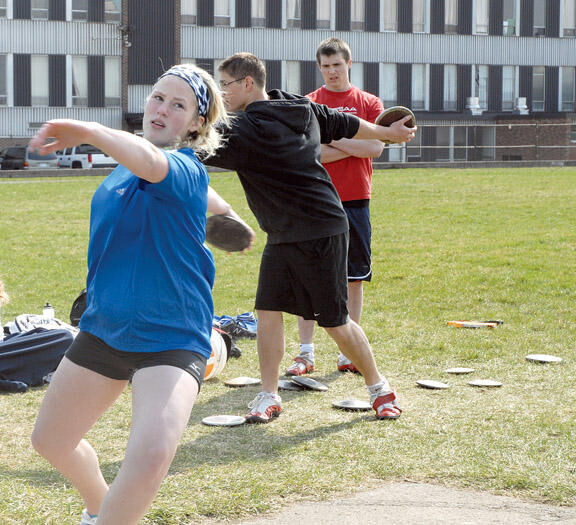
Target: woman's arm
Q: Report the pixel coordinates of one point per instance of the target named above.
(137, 154)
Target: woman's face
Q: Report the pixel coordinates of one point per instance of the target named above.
(171, 112)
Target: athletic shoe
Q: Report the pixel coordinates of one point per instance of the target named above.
(345, 365)
(264, 408)
(301, 365)
(87, 519)
(385, 405)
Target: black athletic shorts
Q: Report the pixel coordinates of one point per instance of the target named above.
(306, 278)
(359, 251)
(92, 353)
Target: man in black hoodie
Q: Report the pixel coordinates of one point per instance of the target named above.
(274, 146)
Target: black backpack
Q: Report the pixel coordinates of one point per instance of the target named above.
(78, 307)
(30, 356)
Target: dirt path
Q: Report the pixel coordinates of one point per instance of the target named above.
(419, 503)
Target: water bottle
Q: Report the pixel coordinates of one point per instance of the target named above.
(48, 312)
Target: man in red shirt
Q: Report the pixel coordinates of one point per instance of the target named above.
(349, 163)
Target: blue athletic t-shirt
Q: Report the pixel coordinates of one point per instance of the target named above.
(150, 275)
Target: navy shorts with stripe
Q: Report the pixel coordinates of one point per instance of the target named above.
(359, 249)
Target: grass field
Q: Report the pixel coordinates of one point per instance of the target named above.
(452, 244)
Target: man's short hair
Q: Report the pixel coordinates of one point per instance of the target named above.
(332, 46)
(242, 65)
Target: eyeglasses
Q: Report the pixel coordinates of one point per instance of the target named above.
(224, 84)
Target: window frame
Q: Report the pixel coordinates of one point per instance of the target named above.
(34, 11)
(481, 17)
(538, 105)
(450, 97)
(451, 17)
(357, 8)
(294, 22)
(389, 10)
(567, 103)
(189, 18)
(255, 6)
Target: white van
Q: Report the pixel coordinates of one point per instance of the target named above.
(85, 156)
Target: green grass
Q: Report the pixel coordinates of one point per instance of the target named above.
(453, 244)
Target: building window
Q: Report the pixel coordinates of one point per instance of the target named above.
(569, 18)
(388, 85)
(509, 17)
(389, 15)
(413, 148)
(480, 87)
(39, 80)
(39, 10)
(222, 13)
(451, 17)
(539, 18)
(486, 142)
(357, 15)
(538, 88)
(293, 13)
(293, 76)
(508, 87)
(568, 88)
(420, 16)
(80, 10)
(481, 17)
(3, 9)
(80, 81)
(189, 11)
(3, 83)
(357, 75)
(258, 13)
(323, 13)
(419, 86)
(450, 87)
(113, 77)
(112, 11)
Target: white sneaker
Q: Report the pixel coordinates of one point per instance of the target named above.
(87, 519)
(264, 408)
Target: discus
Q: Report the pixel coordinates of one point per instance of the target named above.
(543, 358)
(393, 114)
(242, 381)
(310, 383)
(227, 233)
(224, 421)
(459, 370)
(432, 384)
(489, 383)
(353, 405)
(283, 384)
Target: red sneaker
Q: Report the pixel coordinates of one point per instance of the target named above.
(386, 406)
(300, 366)
(264, 408)
(345, 365)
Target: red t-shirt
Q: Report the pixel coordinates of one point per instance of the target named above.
(352, 176)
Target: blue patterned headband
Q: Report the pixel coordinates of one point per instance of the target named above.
(194, 80)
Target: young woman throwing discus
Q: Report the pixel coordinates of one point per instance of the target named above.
(149, 304)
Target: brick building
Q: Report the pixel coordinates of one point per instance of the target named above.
(488, 79)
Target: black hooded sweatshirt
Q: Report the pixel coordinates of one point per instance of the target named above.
(274, 146)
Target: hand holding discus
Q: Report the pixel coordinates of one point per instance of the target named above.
(400, 121)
